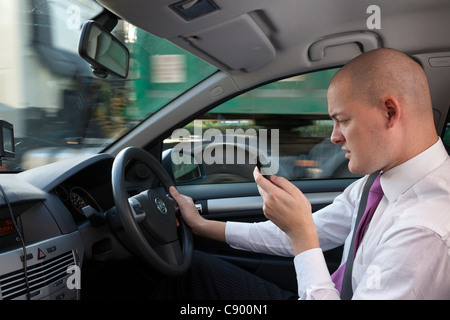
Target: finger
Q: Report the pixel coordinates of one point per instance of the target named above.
(286, 185)
(174, 192)
(180, 199)
(261, 181)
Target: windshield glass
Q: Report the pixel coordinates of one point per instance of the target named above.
(58, 108)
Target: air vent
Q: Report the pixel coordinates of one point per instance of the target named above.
(12, 285)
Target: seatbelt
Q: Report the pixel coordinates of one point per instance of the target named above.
(347, 290)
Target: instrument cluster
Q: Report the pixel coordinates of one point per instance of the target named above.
(76, 198)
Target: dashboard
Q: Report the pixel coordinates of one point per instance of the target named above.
(42, 253)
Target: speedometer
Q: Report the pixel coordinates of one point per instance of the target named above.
(77, 201)
(80, 198)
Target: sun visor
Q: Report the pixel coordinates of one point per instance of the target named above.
(238, 44)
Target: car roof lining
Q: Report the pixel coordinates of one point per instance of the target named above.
(272, 24)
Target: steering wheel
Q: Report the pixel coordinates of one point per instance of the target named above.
(149, 218)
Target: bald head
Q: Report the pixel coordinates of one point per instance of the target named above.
(381, 106)
(379, 73)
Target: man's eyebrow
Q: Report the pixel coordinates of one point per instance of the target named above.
(335, 115)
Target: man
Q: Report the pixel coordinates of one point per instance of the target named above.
(381, 107)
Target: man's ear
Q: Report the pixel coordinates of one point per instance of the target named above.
(392, 111)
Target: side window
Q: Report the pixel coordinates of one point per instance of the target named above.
(286, 122)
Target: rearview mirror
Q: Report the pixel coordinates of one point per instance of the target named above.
(6, 141)
(104, 52)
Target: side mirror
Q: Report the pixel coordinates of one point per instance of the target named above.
(104, 52)
(184, 172)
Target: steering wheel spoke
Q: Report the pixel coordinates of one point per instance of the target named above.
(171, 252)
(137, 210)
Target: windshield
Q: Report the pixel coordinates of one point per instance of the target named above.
(58, 108)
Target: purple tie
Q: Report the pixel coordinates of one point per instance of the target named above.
(375, 195)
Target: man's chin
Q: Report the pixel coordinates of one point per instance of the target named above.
(357, 170)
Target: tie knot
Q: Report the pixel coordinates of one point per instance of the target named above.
(376, 186)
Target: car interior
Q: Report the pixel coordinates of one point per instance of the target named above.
(78, 229)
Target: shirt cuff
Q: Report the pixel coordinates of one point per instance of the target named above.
(236, 234)
(313, 279)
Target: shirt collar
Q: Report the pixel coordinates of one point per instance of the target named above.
(398, 180)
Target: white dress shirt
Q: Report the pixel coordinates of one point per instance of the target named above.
(405, 253)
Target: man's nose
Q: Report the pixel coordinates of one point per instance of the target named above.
(336, 136)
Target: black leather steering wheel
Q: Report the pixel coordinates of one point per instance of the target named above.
(149, 218)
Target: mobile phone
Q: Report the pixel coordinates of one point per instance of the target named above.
(262, 163)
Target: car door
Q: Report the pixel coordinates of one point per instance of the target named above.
(212, 160)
